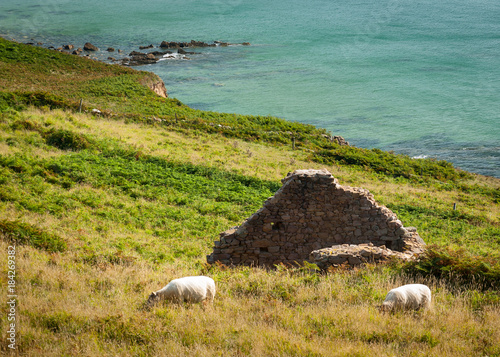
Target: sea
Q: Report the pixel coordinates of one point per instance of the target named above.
(420, 78)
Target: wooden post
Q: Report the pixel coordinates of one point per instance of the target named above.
(454, 206)
(80, 106)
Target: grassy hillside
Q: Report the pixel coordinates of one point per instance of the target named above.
(105, 209)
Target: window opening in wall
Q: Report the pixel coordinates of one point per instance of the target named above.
(276, 225)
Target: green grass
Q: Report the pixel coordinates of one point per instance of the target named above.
(458, 267)
(105, 209)
(119, 93)
(23, 233)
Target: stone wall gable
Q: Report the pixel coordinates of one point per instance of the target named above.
(309, 212)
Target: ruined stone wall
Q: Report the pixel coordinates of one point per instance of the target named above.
(309, 212)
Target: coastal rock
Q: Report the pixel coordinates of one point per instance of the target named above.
(139, 58)
(68, 47)
(337, 139)
(90, 47)
(146, 47)
(340, 140)
(193, 43)
(157, 86)
(77, 52)
(110, 49)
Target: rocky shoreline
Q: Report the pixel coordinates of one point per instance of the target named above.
(165, 50)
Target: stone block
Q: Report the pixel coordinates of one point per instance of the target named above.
(274, 249)
(355, 261)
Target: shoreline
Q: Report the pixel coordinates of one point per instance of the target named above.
(150, 54)
(166, 50)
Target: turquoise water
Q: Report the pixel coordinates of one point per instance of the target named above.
(420, 78)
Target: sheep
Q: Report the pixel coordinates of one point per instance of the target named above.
(191, 289)
(407, 297)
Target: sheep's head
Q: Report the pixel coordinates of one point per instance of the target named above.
(385, 307)
(152, 299)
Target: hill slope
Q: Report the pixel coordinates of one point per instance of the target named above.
(105, 209)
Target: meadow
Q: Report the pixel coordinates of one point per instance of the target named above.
(104, 209)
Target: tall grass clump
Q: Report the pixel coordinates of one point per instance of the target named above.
(457, 266)
(390, 164)
(66, 140)
(26, 234)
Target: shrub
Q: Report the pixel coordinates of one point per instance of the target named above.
(388, 163)
(67, 140)
(20, 100)
(24, 233)
(457, 266)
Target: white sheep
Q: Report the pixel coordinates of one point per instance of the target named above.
(407, 297)
(192, 289)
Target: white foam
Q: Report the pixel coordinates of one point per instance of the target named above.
(172, 56)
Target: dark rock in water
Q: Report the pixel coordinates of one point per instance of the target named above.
(77, 51)
(193, 43)
(139, 58)
(90, 47)
(110, 49)
(146, 47)
(68, 47)
(160, 53)
(166, 44)
(112, 59)
(120, 51)
(39, 43)
(182, 52)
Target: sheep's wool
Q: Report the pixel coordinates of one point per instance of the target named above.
(192, 289)
(408, 297)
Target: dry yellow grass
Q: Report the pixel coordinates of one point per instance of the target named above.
(72, 309)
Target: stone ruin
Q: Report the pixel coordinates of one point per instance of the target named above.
(313, 218)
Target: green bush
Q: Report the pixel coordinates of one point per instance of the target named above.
(458, 267)
(67, 140)
(388, 163)
(20, 100)
(24, 233)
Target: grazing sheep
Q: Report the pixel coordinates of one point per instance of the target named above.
(190, 289)
(407, 297)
